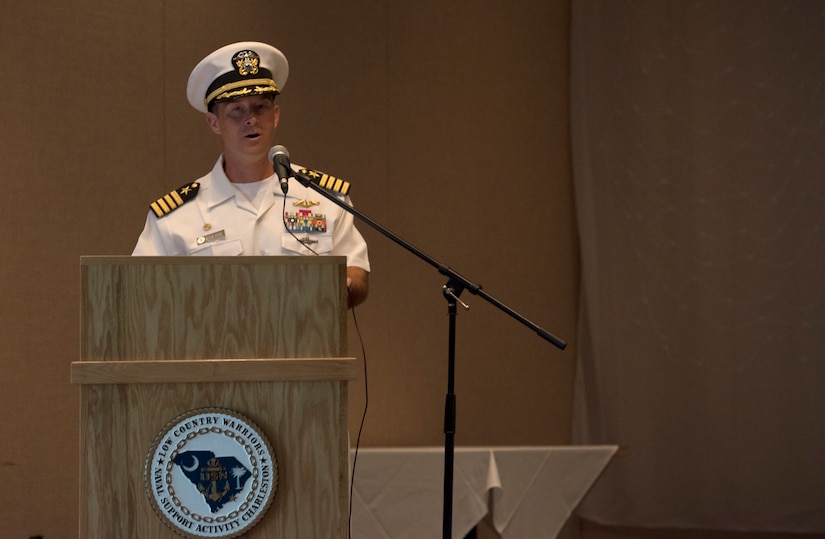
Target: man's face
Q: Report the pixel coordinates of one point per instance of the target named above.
(246, 125)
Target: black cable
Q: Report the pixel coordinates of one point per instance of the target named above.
(366, 385)
(363, 416)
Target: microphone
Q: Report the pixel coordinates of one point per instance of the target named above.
(280, 163)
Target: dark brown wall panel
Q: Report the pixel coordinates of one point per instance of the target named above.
(450, 121)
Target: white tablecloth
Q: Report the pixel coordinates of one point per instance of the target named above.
(530, 492)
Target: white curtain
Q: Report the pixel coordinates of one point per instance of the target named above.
(699, 162)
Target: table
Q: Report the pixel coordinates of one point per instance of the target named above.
(523, 491)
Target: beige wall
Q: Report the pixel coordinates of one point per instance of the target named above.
(449, 120)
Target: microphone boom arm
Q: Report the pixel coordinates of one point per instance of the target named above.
(457, 282)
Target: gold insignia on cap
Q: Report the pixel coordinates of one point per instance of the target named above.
(246, 62)
(174, 200)
(241, 89)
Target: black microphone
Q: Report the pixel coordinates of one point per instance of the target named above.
(280, 163)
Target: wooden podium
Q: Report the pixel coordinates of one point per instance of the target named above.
(262, 336)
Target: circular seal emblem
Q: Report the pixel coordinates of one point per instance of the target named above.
(211, 473)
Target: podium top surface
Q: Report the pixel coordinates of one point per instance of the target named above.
(106, 260)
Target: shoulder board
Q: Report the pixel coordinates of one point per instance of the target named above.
(326, 181)
(168, 203)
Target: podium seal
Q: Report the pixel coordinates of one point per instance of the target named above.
(211, 472)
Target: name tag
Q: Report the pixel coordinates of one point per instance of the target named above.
(215, 236)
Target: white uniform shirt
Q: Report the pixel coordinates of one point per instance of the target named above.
(220, 221)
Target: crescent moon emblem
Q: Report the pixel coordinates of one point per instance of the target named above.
(194, 465)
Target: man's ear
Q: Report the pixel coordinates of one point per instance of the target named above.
(277, 115)
(212, 121)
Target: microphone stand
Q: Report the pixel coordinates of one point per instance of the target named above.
(456, 284)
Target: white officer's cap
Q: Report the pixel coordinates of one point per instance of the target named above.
(237, 70)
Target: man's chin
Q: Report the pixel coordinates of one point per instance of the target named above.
(255, 144)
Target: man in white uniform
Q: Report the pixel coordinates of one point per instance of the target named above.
(239, 208)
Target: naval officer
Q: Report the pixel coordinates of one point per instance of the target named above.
(239, 207)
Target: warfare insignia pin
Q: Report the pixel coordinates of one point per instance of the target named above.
(306, 203)
(211, 473)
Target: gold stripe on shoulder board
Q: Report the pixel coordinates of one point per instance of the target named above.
(328, 181)
(175, 199)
